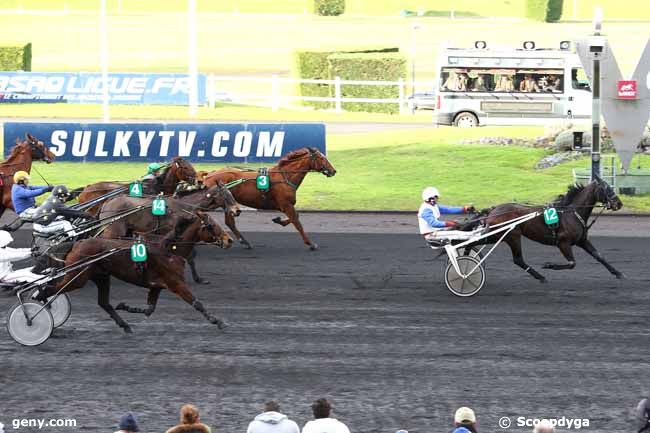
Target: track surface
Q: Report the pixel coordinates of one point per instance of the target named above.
(365, 321)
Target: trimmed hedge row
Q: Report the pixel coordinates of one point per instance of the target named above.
(329, 8)
(16, 58)
(544, 10)
(371, 67)
(314, 65)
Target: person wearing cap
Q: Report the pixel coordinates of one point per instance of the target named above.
(153, 170)
(9, 255)
(272, 421)
(464, 421)
(322, 422)
(431, 227)
(190, 422)
(53, 215)
(128, 424)
(544, 426)
(23, 196)
(642, 414)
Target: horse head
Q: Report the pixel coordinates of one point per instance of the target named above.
(182, 170)
(212, 233)
(39, 151)
(606, 194)
(217, 192)
(319, 163)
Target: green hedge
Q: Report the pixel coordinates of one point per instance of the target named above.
(371, 67)
(329, 8)
(16, 58)
(313, 65)
(544, 10)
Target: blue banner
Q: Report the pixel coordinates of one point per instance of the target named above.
(202, 142)
(87, 88)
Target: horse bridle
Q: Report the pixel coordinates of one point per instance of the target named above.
(312, 155)
(34, 144)
(607, 191)
(209, 226)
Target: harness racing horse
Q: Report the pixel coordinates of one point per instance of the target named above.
(181, 214)
(574, 209)
(163, 271)
(285, 179)
(20, 159)
(176, 171)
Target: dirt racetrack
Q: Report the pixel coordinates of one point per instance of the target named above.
(365, 321)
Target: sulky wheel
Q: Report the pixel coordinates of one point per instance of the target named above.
(471, 283)
(472, 252)
(60, 308)
(30, 334)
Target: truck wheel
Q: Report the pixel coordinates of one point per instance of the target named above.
(465, 119)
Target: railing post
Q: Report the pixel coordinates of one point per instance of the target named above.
(275, 97)
(212, 90)
(337, 93)
(401, 95)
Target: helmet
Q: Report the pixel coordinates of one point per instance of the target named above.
(429, 192)
(5, 238)
(154, 166)
(60, 191)
(21, 175)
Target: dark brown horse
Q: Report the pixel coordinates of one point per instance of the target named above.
(163, 271)
(20, 159)
(176, 171)
(181, 214)
(285, 178)
(574, 209)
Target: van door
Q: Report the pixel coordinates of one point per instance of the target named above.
(579, 95)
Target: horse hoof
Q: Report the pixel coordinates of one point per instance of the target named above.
(203, 282)
(246, 244)
(547, 265)
(277, 220)
(128, 330)
(313, 247)
(121, 306)
(220, 323)
(621, 276)
(543, 280)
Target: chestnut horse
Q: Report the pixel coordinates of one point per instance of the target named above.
(20, 159)
(574, 210)
(176, 171)
(285, 178)
(163, 271)
(181, 214)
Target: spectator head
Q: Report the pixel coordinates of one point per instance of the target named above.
(128, 423)
(272, 406)
(321, 408)
(544, 426)
(642, 414)
(189, 414)
(465, 417)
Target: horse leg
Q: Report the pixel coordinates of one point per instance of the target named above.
(514, 242)
(230, 222)
(195, 275)
(290, 211)
(152, 301)
(588, 247)
(282, 222)
(567, 252)
(180, 289)
(103, 299)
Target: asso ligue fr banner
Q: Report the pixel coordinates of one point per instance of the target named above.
(123, 88)
(202, 142)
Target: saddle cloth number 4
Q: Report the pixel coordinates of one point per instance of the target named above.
(135, 189)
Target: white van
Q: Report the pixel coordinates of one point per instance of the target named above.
(483, 86)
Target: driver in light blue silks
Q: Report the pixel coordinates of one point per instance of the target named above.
(431, 226)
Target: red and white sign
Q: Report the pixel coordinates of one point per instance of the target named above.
(626, 89)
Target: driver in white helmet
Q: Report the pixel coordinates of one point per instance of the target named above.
(8, 255)
(431, 226)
